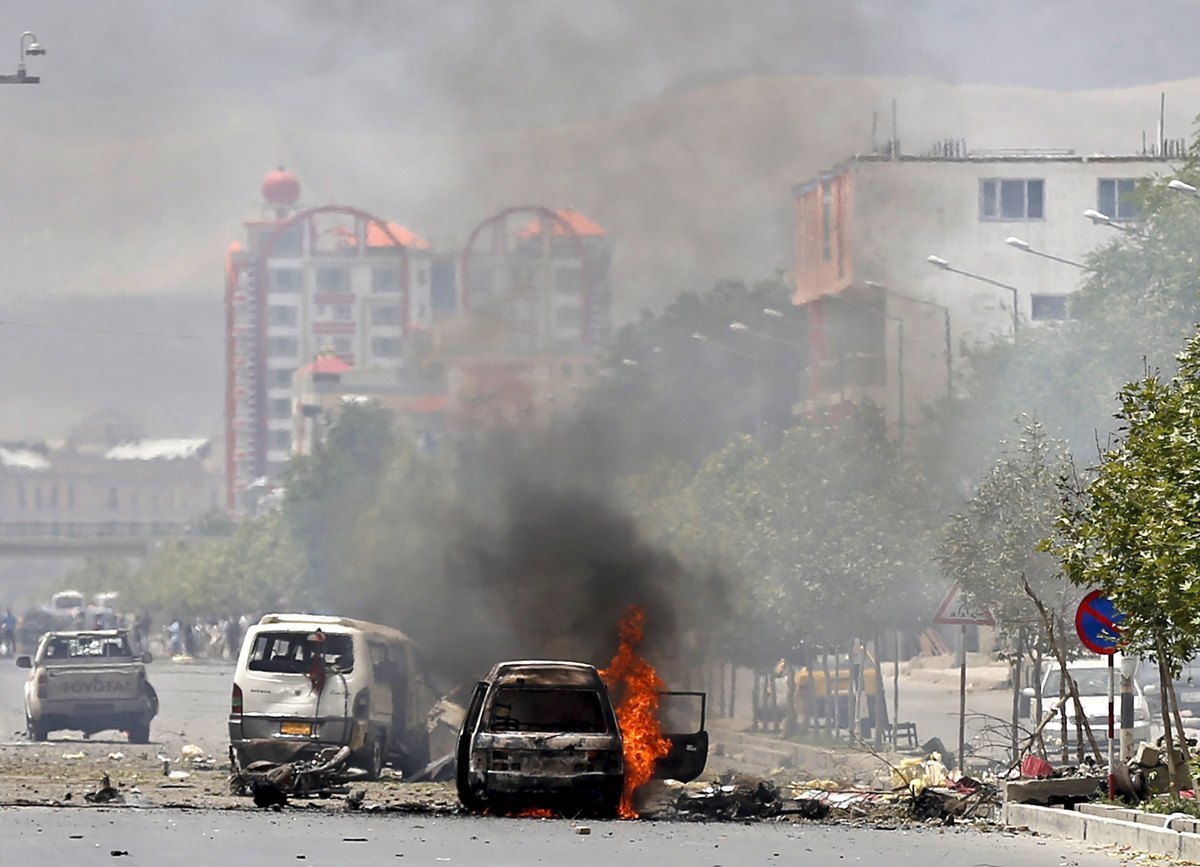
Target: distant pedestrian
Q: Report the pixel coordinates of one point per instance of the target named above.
(8, 632)
(233, 637)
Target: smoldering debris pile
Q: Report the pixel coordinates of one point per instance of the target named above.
(741, 797)
(271, 784)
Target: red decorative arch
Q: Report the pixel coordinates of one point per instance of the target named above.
(548, 217)
(262, 286)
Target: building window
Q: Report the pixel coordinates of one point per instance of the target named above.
(385, 280)
(281, 377)
(37, 498)
(1048, 308)
(568, 281)
(281, 346)
(422, 277)
(281, 314)
(281, 439)
(281, 407)
(343, 312)
(70, 496)
(385, 347)
(1004, 199)
(113, 502)
(343, 347)
(389, 315)
(285, 280)
(333, 280)
(1114, 198)
(54, 496)
(21, 496)
(568, 317)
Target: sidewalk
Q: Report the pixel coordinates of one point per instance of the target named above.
(983, 673)
(1173, 836)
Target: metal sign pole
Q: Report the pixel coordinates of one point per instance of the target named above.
(962, 698)
(1112, 768)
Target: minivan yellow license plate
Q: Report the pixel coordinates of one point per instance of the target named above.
(295, 728)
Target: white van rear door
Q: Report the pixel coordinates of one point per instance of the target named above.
(292, 672)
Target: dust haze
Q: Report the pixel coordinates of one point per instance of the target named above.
(679, 125)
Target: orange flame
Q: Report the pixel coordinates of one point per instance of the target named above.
(638, 685)
(535, 813)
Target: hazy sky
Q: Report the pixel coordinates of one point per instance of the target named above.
(131, 166)
(449, 64)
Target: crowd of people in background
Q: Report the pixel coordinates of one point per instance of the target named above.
(208, 638)
(214, 637)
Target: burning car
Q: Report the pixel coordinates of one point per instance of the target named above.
(540, 733)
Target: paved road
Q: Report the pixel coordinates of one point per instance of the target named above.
(34, 836)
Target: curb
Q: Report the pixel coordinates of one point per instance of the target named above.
(1112, 826)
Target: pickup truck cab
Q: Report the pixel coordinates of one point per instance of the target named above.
(88, 681)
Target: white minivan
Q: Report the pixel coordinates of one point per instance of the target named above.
(306, 682)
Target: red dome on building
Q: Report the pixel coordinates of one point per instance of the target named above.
(281, 188)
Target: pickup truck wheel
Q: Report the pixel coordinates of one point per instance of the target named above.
(36, 731)
(139, 732)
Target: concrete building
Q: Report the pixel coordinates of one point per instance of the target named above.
(415, 398)
(541, 276)
(304, 280)
(883, 322)
(103, 482)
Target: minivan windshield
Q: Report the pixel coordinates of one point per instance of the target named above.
(294, 652)
(522, 709)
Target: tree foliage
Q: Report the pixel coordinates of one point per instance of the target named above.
(1132, 529)
(991, 546)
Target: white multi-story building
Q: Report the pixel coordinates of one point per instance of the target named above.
(308, 280)
(902, 262)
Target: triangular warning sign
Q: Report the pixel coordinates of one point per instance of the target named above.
(953, 611)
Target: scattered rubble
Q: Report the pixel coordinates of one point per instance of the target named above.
(272, 784)
(104, 794)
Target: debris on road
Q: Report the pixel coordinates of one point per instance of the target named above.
(104, 794)
(272, 784)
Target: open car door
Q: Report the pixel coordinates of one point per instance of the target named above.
(682, 717)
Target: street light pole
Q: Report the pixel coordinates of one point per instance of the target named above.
(1026, 247)
(1099, 219)
(939, 262)
(32, 49)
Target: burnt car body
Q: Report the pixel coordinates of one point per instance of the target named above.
(544, 733)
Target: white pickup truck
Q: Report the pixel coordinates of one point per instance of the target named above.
(88, 681)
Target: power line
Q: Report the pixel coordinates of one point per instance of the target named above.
(115, 332)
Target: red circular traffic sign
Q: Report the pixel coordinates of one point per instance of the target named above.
(1097, 621)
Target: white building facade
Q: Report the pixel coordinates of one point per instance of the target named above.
(865, 232)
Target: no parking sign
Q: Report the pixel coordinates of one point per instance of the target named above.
(1098, 623)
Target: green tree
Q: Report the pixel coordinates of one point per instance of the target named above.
(1132, 529)
(991, 549)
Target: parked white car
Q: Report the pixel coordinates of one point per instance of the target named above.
(1091, 681)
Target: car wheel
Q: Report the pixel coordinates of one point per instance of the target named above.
(372, 758)
(36, 731)
(139, 732)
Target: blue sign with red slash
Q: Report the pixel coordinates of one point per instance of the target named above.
(1098, 623)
